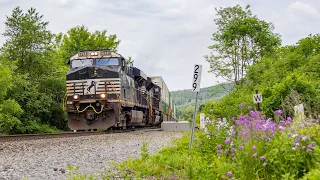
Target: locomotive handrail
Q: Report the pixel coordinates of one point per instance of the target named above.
(92, 108)
(65, 98)
(119, 104)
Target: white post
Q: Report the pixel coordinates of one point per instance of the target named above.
(196, 79)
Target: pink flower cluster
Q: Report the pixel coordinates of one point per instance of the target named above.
(255, 125)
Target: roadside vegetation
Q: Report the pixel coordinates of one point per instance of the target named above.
(251, 146)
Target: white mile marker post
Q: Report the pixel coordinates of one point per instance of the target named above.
(196, 79)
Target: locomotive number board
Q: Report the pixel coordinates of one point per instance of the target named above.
(94, 53)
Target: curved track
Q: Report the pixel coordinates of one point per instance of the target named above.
(20, 137)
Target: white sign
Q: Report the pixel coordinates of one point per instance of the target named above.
(196, 79)
(257, 98)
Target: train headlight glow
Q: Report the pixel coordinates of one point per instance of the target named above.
(76, 96)
(103, 95)
(94, 53)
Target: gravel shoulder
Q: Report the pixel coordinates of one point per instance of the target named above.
(49, 158)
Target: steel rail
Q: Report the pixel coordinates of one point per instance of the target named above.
(20, 137)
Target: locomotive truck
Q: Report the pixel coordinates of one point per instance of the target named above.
(103, 92)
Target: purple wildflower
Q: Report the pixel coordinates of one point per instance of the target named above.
(233, 127)
(278, 112)
(254, 148)
(229, 174)
(250, 107)
(226, 151)
(303, 147)
(262, 158)
(289, 120)
(282, 128)
(241, 147)
(233, 118)
(241, 106)
(219, 146)
(232, 154)
(233, 150)
(219, 151)
(227, 141)
(254, 155)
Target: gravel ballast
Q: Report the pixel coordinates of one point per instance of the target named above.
(49, 158)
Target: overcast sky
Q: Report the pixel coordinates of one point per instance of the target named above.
(167, 37)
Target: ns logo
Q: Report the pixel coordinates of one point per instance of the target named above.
(90, 87)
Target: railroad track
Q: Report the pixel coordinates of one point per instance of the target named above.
(20, 137)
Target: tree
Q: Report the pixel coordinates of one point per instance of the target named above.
(37, 81)
(79, 38)
(240, 41)
(27, 42)
(10, 110)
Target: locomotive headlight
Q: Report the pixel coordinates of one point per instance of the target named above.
(94, 53)
(75, 96)
(103, 96)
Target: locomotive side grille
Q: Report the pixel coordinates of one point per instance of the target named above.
(93, 86)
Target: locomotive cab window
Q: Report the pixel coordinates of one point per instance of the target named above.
(107, 62)
(81, 63)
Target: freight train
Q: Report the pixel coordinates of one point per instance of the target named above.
(103, 91)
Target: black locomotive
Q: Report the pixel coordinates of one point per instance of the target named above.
(103, 92)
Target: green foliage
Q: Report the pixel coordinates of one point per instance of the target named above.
(76, 176)
(79, 38)
(10, 110)
(173, 162)
(241, 40)
(289, 78)
(144, 150)
(28, 42)
(314, 174)
(185, 99)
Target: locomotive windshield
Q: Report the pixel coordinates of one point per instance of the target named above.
(107, 62)
(81, 63)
